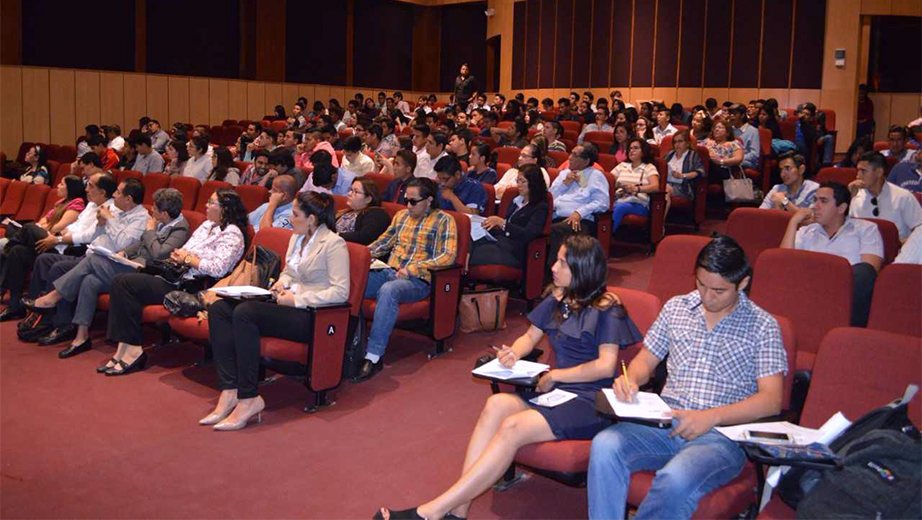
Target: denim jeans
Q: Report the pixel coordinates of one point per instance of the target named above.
(685, 470)
(621, 209)
(825, 146)
(389, 291)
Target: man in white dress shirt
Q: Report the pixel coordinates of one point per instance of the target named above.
(874, 197)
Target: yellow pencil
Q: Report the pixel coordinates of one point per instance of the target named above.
(624, 371)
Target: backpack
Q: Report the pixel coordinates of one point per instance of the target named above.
(883, 440)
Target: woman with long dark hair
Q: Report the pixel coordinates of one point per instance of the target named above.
(210, 254)
(223, 169)
(586, 326)
(363, 221)
(37, 169)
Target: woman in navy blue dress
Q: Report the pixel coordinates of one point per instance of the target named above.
(586, 327)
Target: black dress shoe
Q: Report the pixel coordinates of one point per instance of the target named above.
(30, 321)
(73, 350)
(121, 368)
(29, 303)
(10, 314)
(368, 370)
(40, 330)
(59, 335)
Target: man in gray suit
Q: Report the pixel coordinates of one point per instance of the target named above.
(76, 291)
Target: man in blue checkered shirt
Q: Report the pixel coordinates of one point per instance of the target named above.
(726, 365)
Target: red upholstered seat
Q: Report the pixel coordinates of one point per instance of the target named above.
(33, 202)
(13, 196)
(813, 290)
(189, 188)
(841, 175)
(696, 208)
(4, 184)
(507, 154)
(890, 236)
(381, 180)
(122, 175)
(252, 196)
(559, 158)
(608, 161)
(194, 218)
(673, 266)
(62, 171)
(756, 230)
(205, 192)
(897, 302)
(650, 227)
(153, 182)
(724, 502)
(602, 140)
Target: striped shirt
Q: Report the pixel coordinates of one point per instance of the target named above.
(418, 244)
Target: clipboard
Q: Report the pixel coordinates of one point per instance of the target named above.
(603, 408)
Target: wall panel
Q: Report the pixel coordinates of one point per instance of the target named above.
(308, 91)
(665, 94)
(692, 43)
(274, 97)
(781, 94)
(798, 96)
(519, 28)
(808, 44)
(720, 94)
(642, 56)
(179, 100)
(256, 100)
(36, 125)
(135, 100)
(217, 101)
(582, 41)
(548, 37)
(619, 72)
(777, 30)
(667, 41)
(747, 27)
(322, 93)
(112, 99)
(717, 46)
(290, 95)
(689, 97)
(198, 102)
(564, 43)
(881, 114)
(533, 20)
(904, 107)
(743, 95)
(601, 42)
(11, 114)
(62, 99)
(158, 100)
(237, 100)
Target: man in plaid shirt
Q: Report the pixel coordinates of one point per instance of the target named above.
(726, 366)
(419, 238)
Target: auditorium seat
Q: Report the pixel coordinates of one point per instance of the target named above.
(229, 122)
(844, 381)
(4, 184)
(530, 280)
(501, 169)
(13, 195)
(205, 192)
(572, 126)
(897, 302)
(649, 228)
(507, 154)
(558, 156)
(890, 236)
(608, 161)
(602, 140)
(231, 134)
(53, 167)
(50, 201)
(62, 171)
(490, 209)
(33, 201)
(768, 163)
(382, 180)
(189, 187)
(194, 218)
(756, 230)
(674, 266)
(152, 183)
(813, 290)
(696, 209)
(122, 175)
(841, 175)
(439, 311)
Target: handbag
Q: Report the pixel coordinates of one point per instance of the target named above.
(165, 269)
(182, 304)
(483, 311)
(738, 189)
(262, 266)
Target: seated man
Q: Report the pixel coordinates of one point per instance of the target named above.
(76, 292)
(516, 136)
(457, 191)
(911, 252)
(277, 211)
(827, 228)
(874, 197)
(354, 160)
(746, 133)
(664, 126)
(460, 143)
(313, 142)
(282, 164)
(896, 138)
(107, 156)
(419, 238)
(726, 365)
(580, 192)
(794, 192)
(553, 131)
(908, 175)
(401, 166)
(148, 160)
(374, 139)
(256, 172)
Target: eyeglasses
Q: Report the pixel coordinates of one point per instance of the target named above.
(352, 191)
(876, 210)
(413, 202)
(526, 156)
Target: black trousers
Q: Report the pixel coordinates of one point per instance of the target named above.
(560, 230)
(235, 329)
(863, 278)
(502, 252)
(128, 296)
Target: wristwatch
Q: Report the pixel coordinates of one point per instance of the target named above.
(187, 260)
(60, 239)
(784, 202)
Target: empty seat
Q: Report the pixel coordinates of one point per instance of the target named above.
(897, 302)
(507, 154)
(153, 182)
(252, 196)
(12, 198)
(674, 266)
(189, 187)
(841, 175)
(33, 201)
(756, 230)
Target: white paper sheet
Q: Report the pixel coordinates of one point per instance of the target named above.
(378, 264)
(553, 398)
(102, 251)
(477, 230)
(239, 291)
(521, 370)
(646, 406)
(11, 222)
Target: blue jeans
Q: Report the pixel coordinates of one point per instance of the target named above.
(626, 208)
(825, 145)
(685, 470)
(389, 291)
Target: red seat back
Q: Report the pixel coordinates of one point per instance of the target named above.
(572, 126)
(62, 171)
(756, 230)
(463, 223)
(274, 239)
(252, 196)
(121, 175)
(194, 218)
(890, 236)
(558, 156)
(643, 308)
(841, 175)
(507, 154)
(603, 140)
(608, 161)
(813, 290)
(859, 370)
(189, 187)
(13, 197)
(205, 192)
(340, 202)
(381, 179)
(490, 208)
(674, 266)
(50, 201)
(359, 263)
(897, 302)
(4, 184)
(153, 182)
(33, 202)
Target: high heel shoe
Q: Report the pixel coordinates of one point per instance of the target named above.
(257, 412)
(216, 417)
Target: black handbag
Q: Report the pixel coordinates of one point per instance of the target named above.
(169, 271)
(182, 304)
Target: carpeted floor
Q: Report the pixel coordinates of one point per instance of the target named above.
(74, 444)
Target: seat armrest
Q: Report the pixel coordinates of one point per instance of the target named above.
(603, 230)
(657, 218)
(444, 297)
(535, 261)
(329, 332)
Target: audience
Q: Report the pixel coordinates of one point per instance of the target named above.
(148, 160)
(701, 126)
(313, 142)
(874, 197)
(459, 144)
(210, 254)
(114, 137)
(316, 273)
(223, 168)
(908, 174)
(694, 334)
(634, 179)
(419, 238)
(911, 252)
(199, 164)
(363, 221)
(684, 165)
(663, 126)
(158, 138)
(282, 164)
(794, 191)
(600, 125)
(746, 133)
(856, 150)
(457, 191)
(277, 211)
(433, 150)
(644, 130)
(586, 326)
(179, 156)
(553, 131)
(580, 192)
(724, 150)
(354, 160)
(401, 167)
(107, 156)
(896, 139)
(37, 169)
(827, 228)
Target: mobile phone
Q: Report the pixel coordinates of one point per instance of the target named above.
(756, 435)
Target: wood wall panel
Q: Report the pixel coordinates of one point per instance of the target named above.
(692, 43)
(903, 109)
(112, 99)
(179, 99)
(689, 97)
(601, 43)
(533, 17)
(747, 27)
(564, 43)
(720, 94)
(639, 94)
(881, 114)
(667, 41)
(340, 94)
(290, 95)
(642, 55)
(582, 40)
(797, 96)
(548, 35)
(135, 100)
(323, 94)
(666, 94)
(199, 113)
(62, 99)
(778, 30)
(781, 94)
(11, 113)
(274, 97)
(237, 100)
(158, 100)
(717, 44)
(619, 72)
(217, 101)
(36, 125)
(742, 95)
(519, 24)
(86, 97)
(309, 92)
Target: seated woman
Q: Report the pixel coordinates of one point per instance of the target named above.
(213, 251)
(199, 164)
(634, 178)
(316, 273)
(858, 148)
(37, 169)
(701, 126)
(178, 155)
(483, 164)
(767, 120)
(725, 151)
(531, 154)
(20, 250)
(524, 221)
(684, 166)
(364, 220)
(623, 135)
(76, 292)
(586, 326)
(643, 128)
(222, 167)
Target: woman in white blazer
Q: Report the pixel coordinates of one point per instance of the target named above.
(316, 273)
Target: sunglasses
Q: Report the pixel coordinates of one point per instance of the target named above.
(413, 202)
(876, 211)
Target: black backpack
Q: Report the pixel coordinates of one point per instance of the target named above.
(881, 458)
